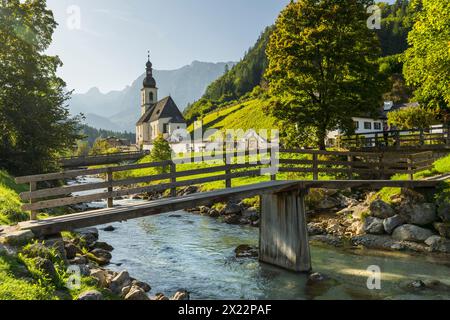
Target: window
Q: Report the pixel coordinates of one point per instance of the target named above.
(151, 96)
(377, 126)
(368, 125)
(356, 125)
(166, 128)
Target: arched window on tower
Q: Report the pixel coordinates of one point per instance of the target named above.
(151, 96)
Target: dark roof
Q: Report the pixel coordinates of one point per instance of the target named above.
(165, 108)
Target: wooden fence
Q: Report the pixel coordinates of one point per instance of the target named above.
(397, 139)
(299, 163)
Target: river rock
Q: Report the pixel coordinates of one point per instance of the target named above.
(251, 214)
(103, 246)
(377, 242)
(409, 232)
(57, 244)
(444, 211)
(120, 281)
(419, 214)
(391, 223)
(213, 213)
(101, 276)
(109, 229)
(381, 209)
(373, 226)
(232, 219)
(91, 295)
(160, 297)
(103, 256)
(90, 235)
(432, 241)
(72, 250)
(438, 244)
(329, 239)
(46, 266)
(79, 260)
(144, 286)
(443, 229)
(327, 203)
(18, 237)
(181, 295)
(137, 294)
(246, 251)
(232, 209)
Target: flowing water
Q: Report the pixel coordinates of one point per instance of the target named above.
(179, 250)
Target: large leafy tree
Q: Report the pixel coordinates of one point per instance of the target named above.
(323, 65)
(427, 61)
(35, 124)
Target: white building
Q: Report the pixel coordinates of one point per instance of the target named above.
(157, 117)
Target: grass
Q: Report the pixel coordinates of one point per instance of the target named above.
(441, 166)
(246, 115)
(10, 203)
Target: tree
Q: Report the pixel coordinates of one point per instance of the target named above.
(412, 118)
(427, 61)
(35, 124)
(101, 146)
(161, 152)
(323, 66)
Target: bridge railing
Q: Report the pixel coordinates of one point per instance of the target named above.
(419, 138)
(290, 161)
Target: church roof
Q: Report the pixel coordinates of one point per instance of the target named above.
(165, 108)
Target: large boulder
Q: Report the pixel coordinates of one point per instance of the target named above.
(381, 209)
(90, 235)
(393, 222)
(327, 203)
(101, 276)
(71, 250)
(409, 232)
(419, 214)
(93, 295)
(181, 295)
(232, 208)
(444, 211)
(120, 281)
(136, 293)
(46, 267)
(144, 286)
(232, 219)
(246, 251)
(373, 226)
(443, 229)
(438, 244)
(18, 237)
(103, 246)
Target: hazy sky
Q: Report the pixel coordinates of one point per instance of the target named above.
(109, 50)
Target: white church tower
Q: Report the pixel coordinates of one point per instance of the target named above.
(149, 91)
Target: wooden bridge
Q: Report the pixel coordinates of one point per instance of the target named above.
(101, 159)
(284, 238)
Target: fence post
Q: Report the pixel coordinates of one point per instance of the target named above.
(110, 188)
(33, 214)
(173, 179)
(315, 167)
(397, 140)
(448, 134)
(273, 177)
(350, 168)
(381, 166)
(410, 167)
(228, 179)
(422, 138)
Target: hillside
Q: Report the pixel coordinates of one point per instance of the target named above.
(246, 115)
(119, 110)
(249, 72)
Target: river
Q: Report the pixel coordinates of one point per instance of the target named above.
(179, 250)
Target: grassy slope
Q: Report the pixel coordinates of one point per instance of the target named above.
(10, 202)
(441, 166)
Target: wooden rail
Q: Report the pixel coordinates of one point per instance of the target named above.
(101, 159)
(398, 139)
(350, 165)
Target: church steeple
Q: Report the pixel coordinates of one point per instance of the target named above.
(149, 92)
(149, 81)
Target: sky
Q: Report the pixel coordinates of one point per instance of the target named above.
(104, 43)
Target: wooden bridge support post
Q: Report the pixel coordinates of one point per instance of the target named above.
(283, 231)
(110, 188)
(33, 214)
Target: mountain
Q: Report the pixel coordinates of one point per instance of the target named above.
(119, 110)
(236, 82)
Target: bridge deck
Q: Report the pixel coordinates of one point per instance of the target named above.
(98, 217)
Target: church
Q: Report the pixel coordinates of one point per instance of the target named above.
(158, 117)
